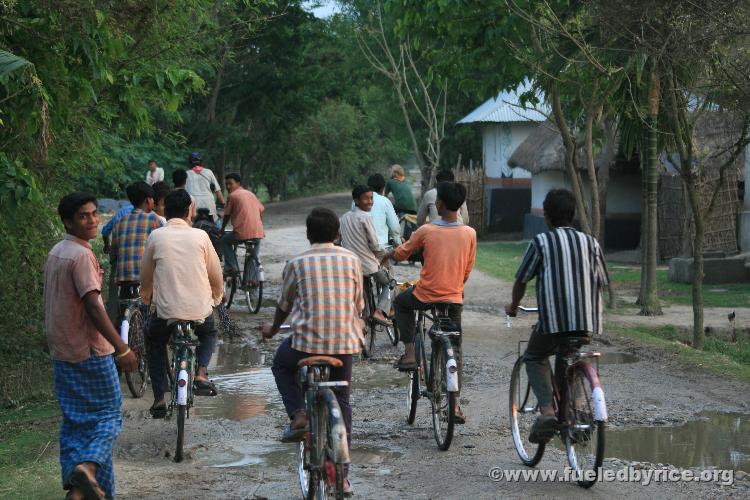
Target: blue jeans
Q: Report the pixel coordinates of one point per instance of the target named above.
(156, 350)
(226, 244)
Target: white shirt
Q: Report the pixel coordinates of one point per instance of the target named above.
(154, 177)
(199, 186)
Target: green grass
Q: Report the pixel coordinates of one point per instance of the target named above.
(501, 260)
(29, 464)
(719, 357)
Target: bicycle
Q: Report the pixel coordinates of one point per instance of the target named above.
(132, 327)
(437, 381)
(180, 359)
(580, 409)
(323, 454)
(253, 277)
(372, 291)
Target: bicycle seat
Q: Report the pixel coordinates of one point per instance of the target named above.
(320, 361)
(129, 289)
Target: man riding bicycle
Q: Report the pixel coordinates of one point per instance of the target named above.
(358, 235)
(181, 278)
(449, 249)
(246, 213)
(321, 294)
(570, 274)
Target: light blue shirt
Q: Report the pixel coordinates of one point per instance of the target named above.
(385, 220)
(109, 226)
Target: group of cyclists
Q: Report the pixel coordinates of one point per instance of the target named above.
(152, 243)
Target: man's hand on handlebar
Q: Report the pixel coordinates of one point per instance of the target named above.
(511, 310)
(267, 331)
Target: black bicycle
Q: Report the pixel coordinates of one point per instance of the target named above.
(181, 367)
(253, 276)
(579, 406)
(133, 315)
(438, 380)
(323, 454)
(372, 290)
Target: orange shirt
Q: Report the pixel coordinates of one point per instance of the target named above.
(449, 254)
(245, 211)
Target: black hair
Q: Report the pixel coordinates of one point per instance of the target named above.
(452, 194)
(70, 204)
(359, 190)
(177, 204)
(151, 161)
(560, 207)
(322, 225)
(445, 176)
(376, 182)
(234, 176)
(179, 177)
(138, 192)
(161, 190)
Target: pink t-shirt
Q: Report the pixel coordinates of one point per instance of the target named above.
(245, 211)
(70, 273)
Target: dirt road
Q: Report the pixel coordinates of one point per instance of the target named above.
(232, 439)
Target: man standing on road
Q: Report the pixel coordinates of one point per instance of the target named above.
(449, 250)
(81, 341)
(246, 213)
(570, 275)
(321, 293)
(428, 211)
(155, 173)
(358, 235)
(181, 278)
(202, 184)
(403, 198)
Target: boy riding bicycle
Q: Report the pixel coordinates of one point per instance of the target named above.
(246, 214)
(449, 249)
(570, 274)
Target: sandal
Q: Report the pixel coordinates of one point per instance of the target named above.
(404, 366)
(459, 417)
(204, 388)
(158, 411)
(348, 491)
(86, 483)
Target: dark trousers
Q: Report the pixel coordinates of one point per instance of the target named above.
(284, 370)
(227, 250)
(157, 339)
(538, 350)
(406, 304)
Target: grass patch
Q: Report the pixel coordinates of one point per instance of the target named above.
(501, 260)
(29, 463)
(718, 356)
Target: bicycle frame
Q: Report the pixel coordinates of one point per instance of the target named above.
(319, 390)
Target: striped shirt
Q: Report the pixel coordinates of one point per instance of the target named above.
(322, 289)
(128, 241)
(358, 235)
(570, 274)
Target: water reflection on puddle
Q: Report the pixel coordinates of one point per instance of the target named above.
(281, 455)
(369, 375)
(617, 358)
(715, 439)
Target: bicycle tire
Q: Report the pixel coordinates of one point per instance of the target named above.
(443, 402)
(583, 428)
(412, 395)
(230, 288)
(318, 484)
(254, 297)
(137, 379)
(181, 411)
(303, 464)
(520, 424)
(338, 490)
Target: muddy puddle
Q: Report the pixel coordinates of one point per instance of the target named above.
(370, 375)
(715, 439)
(617, 358)
(282, 455)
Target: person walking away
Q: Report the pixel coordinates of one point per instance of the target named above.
(179, 179)
(570, 274)
(403, 198)
(82, 342)
(358, 235)
(202, 184)
(449, 250)
(383, 215)
(130, 234)
(246, 214)
(181, 279)
(154, 174)
(161, 190)
(321, 294)
(428, 212)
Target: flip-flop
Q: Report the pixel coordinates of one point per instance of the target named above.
(459, 417)
(204, 388)
(86, 483)
(405, 367)
(348, 491)
(158, 411)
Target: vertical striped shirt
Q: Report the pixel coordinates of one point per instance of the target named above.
(322, 289)
(570, 274)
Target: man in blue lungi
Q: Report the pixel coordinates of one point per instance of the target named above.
(82, 342)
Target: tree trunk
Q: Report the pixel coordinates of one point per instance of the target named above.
(698, 243)
(650, 305)
(644, 228)
(607, 157)
(596, 229)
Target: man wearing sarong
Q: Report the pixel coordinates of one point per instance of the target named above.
(82, 342)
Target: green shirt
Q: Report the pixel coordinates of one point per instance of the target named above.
(404, 199)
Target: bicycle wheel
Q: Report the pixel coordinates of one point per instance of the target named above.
(138, 379)
(584, 438)
(303, 464)
(443, 402)
(253, 288)
(317, 486)
(524, 409)
(181, 411)
(230, 287)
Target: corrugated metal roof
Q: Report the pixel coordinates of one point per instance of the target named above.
(506, 107)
